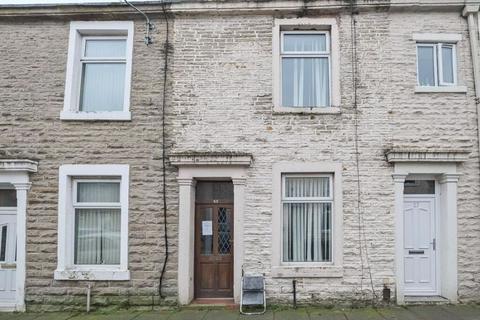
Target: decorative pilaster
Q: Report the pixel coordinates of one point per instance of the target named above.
(399, 181)
(22, 189)
(186, 237)
(448, 235)
(238, 244)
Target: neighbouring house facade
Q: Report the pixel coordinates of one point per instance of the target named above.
(334, 143)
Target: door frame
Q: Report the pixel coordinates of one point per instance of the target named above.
(9, 211)
(216, 167)
(443, 166)
(214, 205)
(14, 174)
(436, 224)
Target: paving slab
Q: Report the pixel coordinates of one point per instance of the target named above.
(431, 313)
(126, 315)
(326, 314)
(154, 315)
(463, 312)
(55, 316)
(222, 315)
(363, 314)
(266, 316)
(291, 314)
(188, 315)
(17, 316)
(397, 313)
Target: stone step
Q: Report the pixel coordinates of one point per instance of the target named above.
(426, 300)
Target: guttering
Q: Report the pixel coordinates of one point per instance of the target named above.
(469, 11)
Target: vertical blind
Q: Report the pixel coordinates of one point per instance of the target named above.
(97, 230)
(103, 75)
(307, 223)
(305, 71)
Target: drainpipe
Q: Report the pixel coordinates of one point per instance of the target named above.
(470, 11)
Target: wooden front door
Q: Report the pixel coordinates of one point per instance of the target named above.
(214, 251)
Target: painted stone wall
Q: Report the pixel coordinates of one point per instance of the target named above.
(222, 101)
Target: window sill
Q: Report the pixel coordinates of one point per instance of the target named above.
(317, 110)
(92, 275)
(307, 272)
(92, 116)
(446, 89)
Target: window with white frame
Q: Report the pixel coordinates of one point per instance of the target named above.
(436, 64)
(97, 211)
(93, 222)
(307, 209)
(305, 69)
(99, 71)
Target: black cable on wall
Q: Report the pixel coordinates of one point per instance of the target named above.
(164, 147)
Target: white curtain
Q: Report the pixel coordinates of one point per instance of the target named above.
(97, 236)
(307, 232)
(297, 187)
(305, 81)
(98, 192)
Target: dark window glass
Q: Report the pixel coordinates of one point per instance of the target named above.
(419, 187)
(3, 244)
(8, 198)
(208, 191)
(224, 232)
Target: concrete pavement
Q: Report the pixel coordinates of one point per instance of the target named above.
(442, 312)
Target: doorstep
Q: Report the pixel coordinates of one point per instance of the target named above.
(418, 300)
(227, 303)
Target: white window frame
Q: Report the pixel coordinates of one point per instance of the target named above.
(437, 41)
(304, 26)
(69, 176)
(329, 199)
(91, 205)
(327, 269)
(307, 54)
(440, 64)
(80, 31)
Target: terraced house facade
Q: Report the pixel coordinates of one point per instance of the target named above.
(334, 143)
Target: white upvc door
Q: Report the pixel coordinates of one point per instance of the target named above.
(8, 241)
(420, 245)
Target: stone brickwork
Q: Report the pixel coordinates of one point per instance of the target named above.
(220, 100)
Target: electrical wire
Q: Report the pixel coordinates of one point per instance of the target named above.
(164, 147)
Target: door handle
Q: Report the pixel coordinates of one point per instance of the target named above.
(416, 251)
